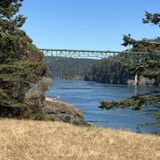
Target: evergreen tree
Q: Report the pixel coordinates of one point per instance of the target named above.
(150, 68)
(152, 18)
(14, 43)
(20, 64)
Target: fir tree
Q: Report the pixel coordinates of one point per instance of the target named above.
(150, 68)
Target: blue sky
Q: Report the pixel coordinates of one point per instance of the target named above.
(87, 24)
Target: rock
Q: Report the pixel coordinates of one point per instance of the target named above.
(142, 81)
(60, 111)
(35, 95)
(130, 82)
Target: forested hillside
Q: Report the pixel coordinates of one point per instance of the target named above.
(108, 71)
(122, 68)
(68, 68)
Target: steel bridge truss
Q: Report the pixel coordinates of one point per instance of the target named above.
(78, 53)
(90, 54)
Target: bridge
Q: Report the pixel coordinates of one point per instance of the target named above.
(90, 54)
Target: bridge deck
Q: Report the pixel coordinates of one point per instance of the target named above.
(85, 53)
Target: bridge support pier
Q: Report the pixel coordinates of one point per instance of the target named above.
(136, 79)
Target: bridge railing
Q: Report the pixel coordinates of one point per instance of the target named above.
(90, 54)
(78, 53)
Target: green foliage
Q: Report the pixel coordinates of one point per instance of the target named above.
(128, 40)
(124, 66)
(21, 70)
(14, 43)
(143, 45)
(109, 70)
(152, 18)
(136, 102)
(8, 8)
(149, 67)
(38, 116)
(41, 117)
(20, 63)
(68, 68)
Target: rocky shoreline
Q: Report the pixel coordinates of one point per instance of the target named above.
(59, 111)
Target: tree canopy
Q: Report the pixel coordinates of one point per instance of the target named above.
(20, 64)
(153, 18)
(14, 42)
(150, 67)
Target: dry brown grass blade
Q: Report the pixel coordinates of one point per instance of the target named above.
(33, 140)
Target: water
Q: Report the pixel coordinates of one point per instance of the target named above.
(87, 95)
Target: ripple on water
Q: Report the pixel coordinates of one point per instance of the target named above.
(87, 95)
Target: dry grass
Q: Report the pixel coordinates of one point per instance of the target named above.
(32, 140)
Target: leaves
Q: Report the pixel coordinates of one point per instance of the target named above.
(8, 8)
(149, 66)
(152, 18)
(127, 40)
(136, 102)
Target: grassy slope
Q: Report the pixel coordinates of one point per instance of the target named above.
(37, 140)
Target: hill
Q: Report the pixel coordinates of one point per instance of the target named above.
(108, 70)
(41, 140)
(69, 68)
(122, 69)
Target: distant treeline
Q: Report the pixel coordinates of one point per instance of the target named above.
(69, 68)
(114, 70)
(108, 71)
(124, 67)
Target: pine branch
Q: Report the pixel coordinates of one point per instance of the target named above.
(136, 102)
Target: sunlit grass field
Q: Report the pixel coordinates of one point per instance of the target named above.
(38, 140)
